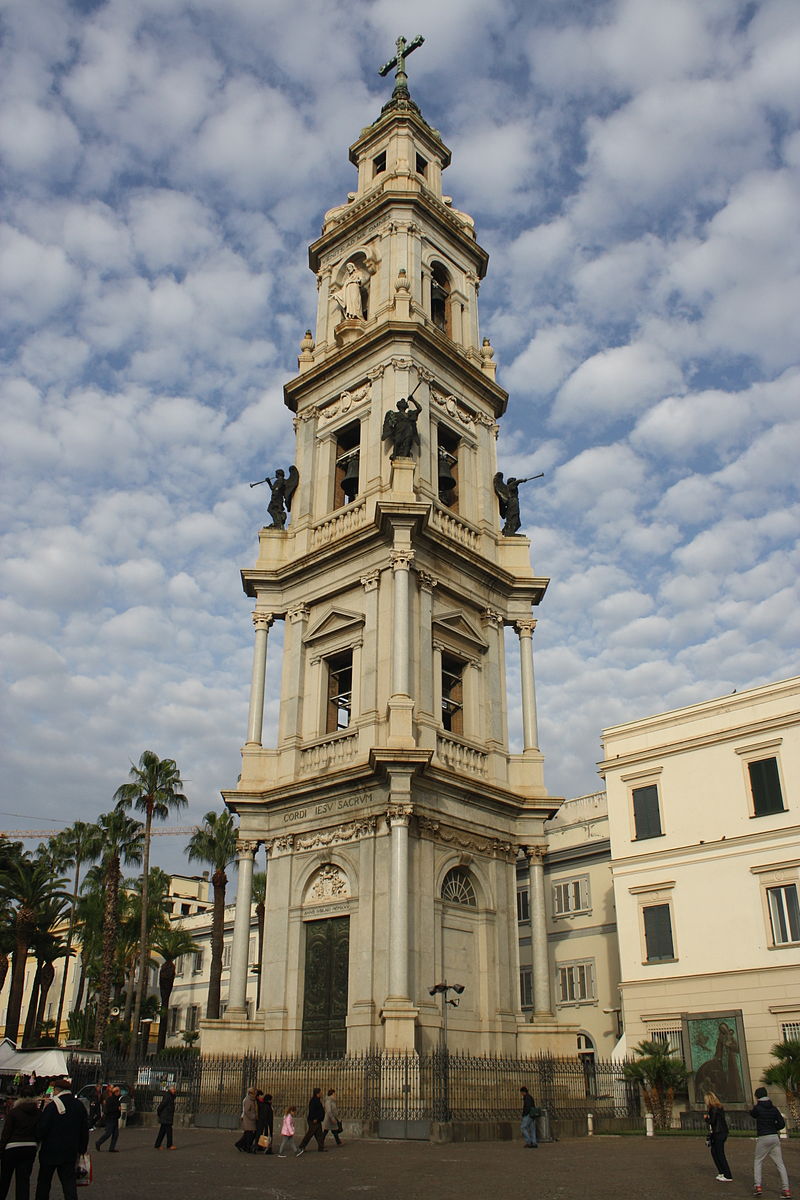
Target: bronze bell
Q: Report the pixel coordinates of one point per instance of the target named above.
(447, 482)
(349, 482)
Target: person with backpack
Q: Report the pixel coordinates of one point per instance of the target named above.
(769, 1121)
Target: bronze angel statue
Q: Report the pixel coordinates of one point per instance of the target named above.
(282, 489)
(400, 426)
(508, 500)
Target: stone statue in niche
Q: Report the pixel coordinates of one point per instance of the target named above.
(350, 296)
(282, 489)
(508, 500)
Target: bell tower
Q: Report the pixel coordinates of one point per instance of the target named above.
(390, 805)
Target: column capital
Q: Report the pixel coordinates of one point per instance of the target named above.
(370, 582)
(247, 848)
(427, 581)
(262, 620)
(401, 560)
(525, 628)
(399, 814)
(282, 844)
(490, 616)
(534, 853)
(301, 613)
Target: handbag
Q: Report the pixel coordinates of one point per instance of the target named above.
(265, 1141)
(83, 1170)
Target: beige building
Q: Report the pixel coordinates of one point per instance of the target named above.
(391, 806)
(705, 839)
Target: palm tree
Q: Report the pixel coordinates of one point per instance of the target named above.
(170, 943)
(6, 941)
(130, 928)
(47, 946)
(29, 884)
(154, 789)
(74, 846)
(785, 1073)
(658, 1072)
(259, 896)
(89, 926)
(122, 842)
(214, 843)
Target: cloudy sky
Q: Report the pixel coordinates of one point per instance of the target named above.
(632, 167)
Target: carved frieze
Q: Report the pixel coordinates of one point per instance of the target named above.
(345, 402)
(320, 838)
(461, 839)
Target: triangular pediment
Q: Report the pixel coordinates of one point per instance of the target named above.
(457, 628)
(333, 623)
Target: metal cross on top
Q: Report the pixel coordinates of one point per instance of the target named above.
(404, 48)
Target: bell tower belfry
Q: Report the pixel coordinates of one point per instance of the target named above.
(391, 808)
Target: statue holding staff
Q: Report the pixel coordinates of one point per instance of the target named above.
(401, 427)
(508, 500)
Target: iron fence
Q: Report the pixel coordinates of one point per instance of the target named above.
(396, 1093)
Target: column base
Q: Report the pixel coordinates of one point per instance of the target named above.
(401, 722)
(229, 1036)
(399, 1017)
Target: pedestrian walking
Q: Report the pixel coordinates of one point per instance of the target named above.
(717, 1135)
(166, 1115)
(248, 1122)
(63, 1130)
(18, 1145)
(265, 1120)
(331, 1122)
(769, 1121)
(112, 1111)
(96, 1108)
(528, 1123)
(314, 1118)
(287, 1131)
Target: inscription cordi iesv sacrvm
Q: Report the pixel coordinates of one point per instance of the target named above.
(338, 804)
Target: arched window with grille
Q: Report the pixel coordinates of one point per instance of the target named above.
(458, 888)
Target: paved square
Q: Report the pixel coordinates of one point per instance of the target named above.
(205, 1164)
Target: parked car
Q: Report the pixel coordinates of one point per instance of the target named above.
(127, 1103)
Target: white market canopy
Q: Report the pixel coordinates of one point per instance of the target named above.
(45, 1061)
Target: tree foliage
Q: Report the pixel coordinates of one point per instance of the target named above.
(214, 843)
(659, 1074)
(785, 1073)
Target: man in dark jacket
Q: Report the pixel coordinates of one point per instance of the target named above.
(63, 1130)
(18, 1145)
(769, 1121)
(528, 1122)
(112, 1110)
(315, 1117)
(166, 1115)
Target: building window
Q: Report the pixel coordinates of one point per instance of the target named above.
(440, 298)
(339, 705)
(523, 904)
(379, 163)
(658, 933)
(765, 787)
(174, 1020)
(348, 458)
(526, 987)
(447, 444)
(197, 965)
(452, 694)
(784, 914)
(180, 964)
(458, 888)
(192, 1017)
(576, 982)
(186, 910)
(571, 896)
(646, 815)
(670, 1035)
(790, 1031)
(422, 165)
(226, 955)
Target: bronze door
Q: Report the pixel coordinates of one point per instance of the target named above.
(325, 991)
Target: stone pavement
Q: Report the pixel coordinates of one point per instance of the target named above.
(205, 1166)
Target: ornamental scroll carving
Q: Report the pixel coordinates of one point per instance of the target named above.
(334, 837)
(281, 845)
(345, 402)
(467, 841)
(328, 883)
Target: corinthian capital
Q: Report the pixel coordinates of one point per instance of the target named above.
(525, 628)
(262, 620)
(399, 814)
(401, 560)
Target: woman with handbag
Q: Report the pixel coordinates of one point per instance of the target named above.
(717, 1135)
(265, 1120)
(248, 1122)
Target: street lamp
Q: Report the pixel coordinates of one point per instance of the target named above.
(442, 989)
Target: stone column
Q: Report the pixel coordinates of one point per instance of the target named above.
(398, 817)
(401, 562)
(492, 711)
(542, 1000)
(427, 584)
(237, 988)
(530, 730)
(255, 721)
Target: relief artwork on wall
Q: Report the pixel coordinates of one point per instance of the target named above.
(715, 1052)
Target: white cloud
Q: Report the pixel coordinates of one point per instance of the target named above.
(615, 383)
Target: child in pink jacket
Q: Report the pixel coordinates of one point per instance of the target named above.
(287, 1131)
